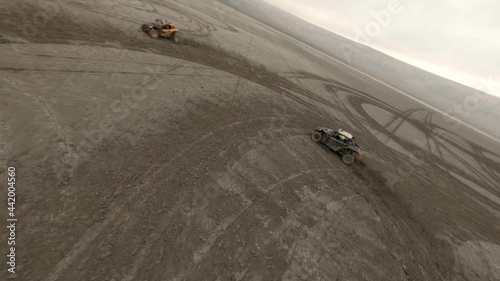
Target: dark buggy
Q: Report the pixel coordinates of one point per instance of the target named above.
(339, 141)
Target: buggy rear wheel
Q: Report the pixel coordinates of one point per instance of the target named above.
(177, 37)
(316, 136)
(348, 158)
(153, 33)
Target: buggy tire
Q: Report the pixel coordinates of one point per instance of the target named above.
(145, 27)
(153, 33)
(348, 158)
(176, 37)
(316, 136)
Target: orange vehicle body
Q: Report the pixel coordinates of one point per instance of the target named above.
(162, 29)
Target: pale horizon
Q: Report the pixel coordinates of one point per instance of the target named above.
(455, 39)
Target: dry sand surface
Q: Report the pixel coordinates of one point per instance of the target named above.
(140, 159)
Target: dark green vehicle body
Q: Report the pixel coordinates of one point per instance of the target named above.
(339, 141)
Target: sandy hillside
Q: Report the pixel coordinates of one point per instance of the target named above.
(140, 159)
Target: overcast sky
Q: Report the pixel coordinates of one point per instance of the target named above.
(457, 39)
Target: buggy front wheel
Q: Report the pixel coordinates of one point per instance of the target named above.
(348, 158)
